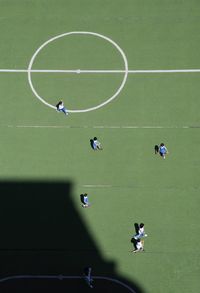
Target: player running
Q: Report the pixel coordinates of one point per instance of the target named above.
(163, 150)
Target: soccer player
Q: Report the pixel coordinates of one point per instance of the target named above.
(96, 144)
(61, 108)
(85, 201)
(163, 150)
(139, 246)
(88, 278)
(141, 233)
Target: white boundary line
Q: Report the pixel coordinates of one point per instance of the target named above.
(100, 127)
(97, 185)
(62, 277)
(81, 71)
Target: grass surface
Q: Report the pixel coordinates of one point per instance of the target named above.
(126, 182)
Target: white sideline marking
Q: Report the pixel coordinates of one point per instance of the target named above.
(115, 281)
(100, 71)
(61, 277)
(97, 185)
(102, 127)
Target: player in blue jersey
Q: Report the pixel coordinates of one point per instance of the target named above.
(96, 144)
(61, 108)
(141, 233)
(88, 277)
(84, 200)
(163, 150)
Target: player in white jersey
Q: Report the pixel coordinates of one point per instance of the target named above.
(61, 108)
(139, 246)
(96, 144)
(141, 233)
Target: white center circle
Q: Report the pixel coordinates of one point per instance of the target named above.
(79, 33)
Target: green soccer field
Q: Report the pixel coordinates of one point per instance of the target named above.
(128, 72)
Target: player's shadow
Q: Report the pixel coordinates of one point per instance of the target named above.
(156, 149)
(43, 233)
(136, 225)
(133, 240)
(82, 199)
(92, 143)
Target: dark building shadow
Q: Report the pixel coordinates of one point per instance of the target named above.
(43, 234)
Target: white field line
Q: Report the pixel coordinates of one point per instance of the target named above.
(99, 71)
(97, 185)
(62, 277)
(100, 127)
